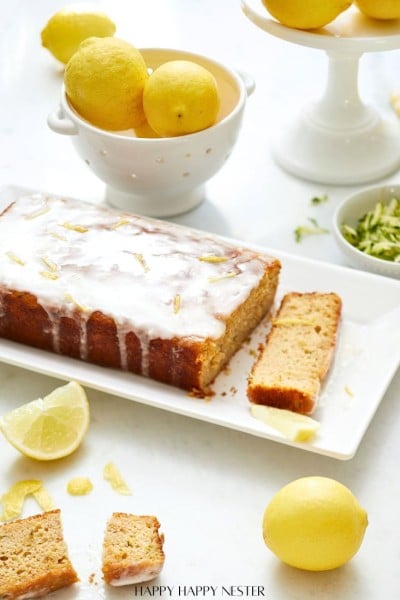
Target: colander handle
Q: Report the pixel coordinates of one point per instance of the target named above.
(60, 123)
(248, 81)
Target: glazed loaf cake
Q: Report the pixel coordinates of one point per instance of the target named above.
(126, 291)
(298, 352)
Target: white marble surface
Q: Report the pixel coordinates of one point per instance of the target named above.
(208, 485)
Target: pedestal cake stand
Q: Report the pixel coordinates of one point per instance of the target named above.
(338, 139)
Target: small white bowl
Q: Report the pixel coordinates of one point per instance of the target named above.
(160, 176)
(349, 211)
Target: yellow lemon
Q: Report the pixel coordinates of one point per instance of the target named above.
(104, 82)
(379, 9)
(50, 427)
(314, 523)
(67, 28)
(306, 14)
(180, 97)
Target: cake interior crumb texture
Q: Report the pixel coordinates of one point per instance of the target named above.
(33, 557)
(126, 291)
(298, 352)
(132, 549)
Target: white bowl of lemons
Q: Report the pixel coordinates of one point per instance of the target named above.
(155, 161)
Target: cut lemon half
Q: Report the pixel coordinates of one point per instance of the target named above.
(50, 427)
(294, 426)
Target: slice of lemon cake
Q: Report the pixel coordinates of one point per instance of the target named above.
(132, 549)
(298, 352)
(33, 557)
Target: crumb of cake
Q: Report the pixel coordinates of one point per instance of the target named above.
(92, 579)
(252, 352)
(79, 486)
(233, 390)
(260, 347)
(207, 396)
(114, 477)
(197, 394)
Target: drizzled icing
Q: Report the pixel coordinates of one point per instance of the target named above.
(145, 574)
(155, 278)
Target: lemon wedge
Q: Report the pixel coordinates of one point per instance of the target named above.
(294, 426)
(51, 427)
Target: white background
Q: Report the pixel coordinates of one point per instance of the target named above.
(207, 485)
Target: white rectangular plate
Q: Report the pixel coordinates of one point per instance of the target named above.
(366, 359)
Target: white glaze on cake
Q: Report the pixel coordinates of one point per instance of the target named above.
(155, 278)
(126, 577)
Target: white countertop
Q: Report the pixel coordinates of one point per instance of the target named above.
(208, 485)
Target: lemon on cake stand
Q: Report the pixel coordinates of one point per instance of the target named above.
(338, 139)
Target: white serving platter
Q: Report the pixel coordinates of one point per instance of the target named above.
(366, 359)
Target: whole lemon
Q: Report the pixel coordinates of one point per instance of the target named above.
(67, 28)
(314, 523)
(380, 9)
(104, 82)
(180, 97)
(306, 14)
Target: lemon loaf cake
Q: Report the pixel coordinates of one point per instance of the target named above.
(132, 549)
(298, 352)
(33, 557)
(126, 291)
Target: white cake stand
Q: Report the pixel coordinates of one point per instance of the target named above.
(339, 139)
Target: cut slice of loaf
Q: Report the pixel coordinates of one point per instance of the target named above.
(298, 352)
(33, 557)
(132, 549)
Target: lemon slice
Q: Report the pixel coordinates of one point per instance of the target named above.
(50, 427)
(294, 426)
